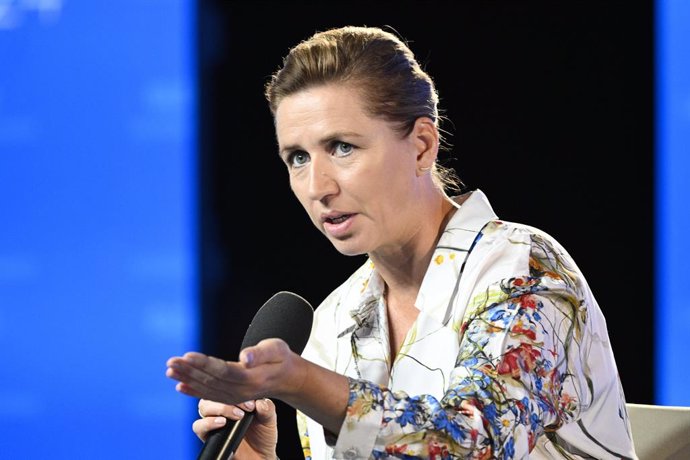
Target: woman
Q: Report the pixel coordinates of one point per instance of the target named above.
(461, 336)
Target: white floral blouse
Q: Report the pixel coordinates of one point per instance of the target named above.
(506, 323)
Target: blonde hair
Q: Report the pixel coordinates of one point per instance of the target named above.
(378, 64)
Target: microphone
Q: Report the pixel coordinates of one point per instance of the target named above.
(285, 316)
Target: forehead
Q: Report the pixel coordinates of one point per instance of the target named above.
(316, 111)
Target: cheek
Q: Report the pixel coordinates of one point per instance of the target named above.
(365, 183)
(392, 192)
(383, 183)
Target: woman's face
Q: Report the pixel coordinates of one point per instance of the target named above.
(355, 175)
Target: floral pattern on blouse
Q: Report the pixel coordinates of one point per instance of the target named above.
(509, 357)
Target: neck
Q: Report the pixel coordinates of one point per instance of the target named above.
(403, 267)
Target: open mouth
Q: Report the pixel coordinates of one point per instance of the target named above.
(338, 220)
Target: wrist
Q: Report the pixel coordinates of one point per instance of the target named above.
(290, 385)
(319, 393)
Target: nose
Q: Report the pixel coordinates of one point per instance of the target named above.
(322, 183)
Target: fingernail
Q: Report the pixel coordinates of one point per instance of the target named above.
(238, 412)
(249, 358)
(219, 421)
(263, 404)
(249, 405)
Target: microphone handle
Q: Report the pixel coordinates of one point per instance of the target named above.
(222, 443)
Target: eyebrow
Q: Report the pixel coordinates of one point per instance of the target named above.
(323, 141)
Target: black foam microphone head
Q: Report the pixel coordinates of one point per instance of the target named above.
(285, 316)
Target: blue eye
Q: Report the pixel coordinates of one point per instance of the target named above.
(343, 149)
(298, 159)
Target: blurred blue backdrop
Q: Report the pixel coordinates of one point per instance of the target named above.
(672, 201)
(98, 240)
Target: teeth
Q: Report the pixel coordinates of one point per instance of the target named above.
(338, 220)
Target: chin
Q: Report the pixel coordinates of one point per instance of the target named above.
(351, 253)
(348, 248)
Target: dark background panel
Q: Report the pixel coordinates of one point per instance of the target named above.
(549, 108)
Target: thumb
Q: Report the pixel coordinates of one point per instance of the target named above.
(266, 351)
(265, 411)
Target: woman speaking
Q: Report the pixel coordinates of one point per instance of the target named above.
(462, 336)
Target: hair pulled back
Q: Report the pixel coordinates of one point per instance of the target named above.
(374, 62)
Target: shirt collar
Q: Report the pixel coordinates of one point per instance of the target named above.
(473, 211)
(442, 277)
(471, 216)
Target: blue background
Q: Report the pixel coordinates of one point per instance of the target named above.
(98, 239)
(672, 201)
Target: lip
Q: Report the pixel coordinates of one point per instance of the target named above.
(337, 229)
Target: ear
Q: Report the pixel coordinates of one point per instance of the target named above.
(425, 138)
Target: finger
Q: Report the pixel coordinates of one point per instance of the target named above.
(208, 374)
(216, 368)
(192, 377)
(190, 355)
(203, 426)
(265, 411)
(171, 360)
(208, 364)
(228, 382)
(190, 358)
(248, 406)
(203, 376)
(212, 409)
(265, 352)
(227, 393)
(204, 392)
(189, 391)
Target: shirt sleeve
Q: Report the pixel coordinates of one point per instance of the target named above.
(514, 380)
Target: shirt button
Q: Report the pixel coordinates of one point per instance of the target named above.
(352, 452)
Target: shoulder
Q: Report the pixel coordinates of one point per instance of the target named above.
(507, 250)
(502, 229)
(517, 238)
